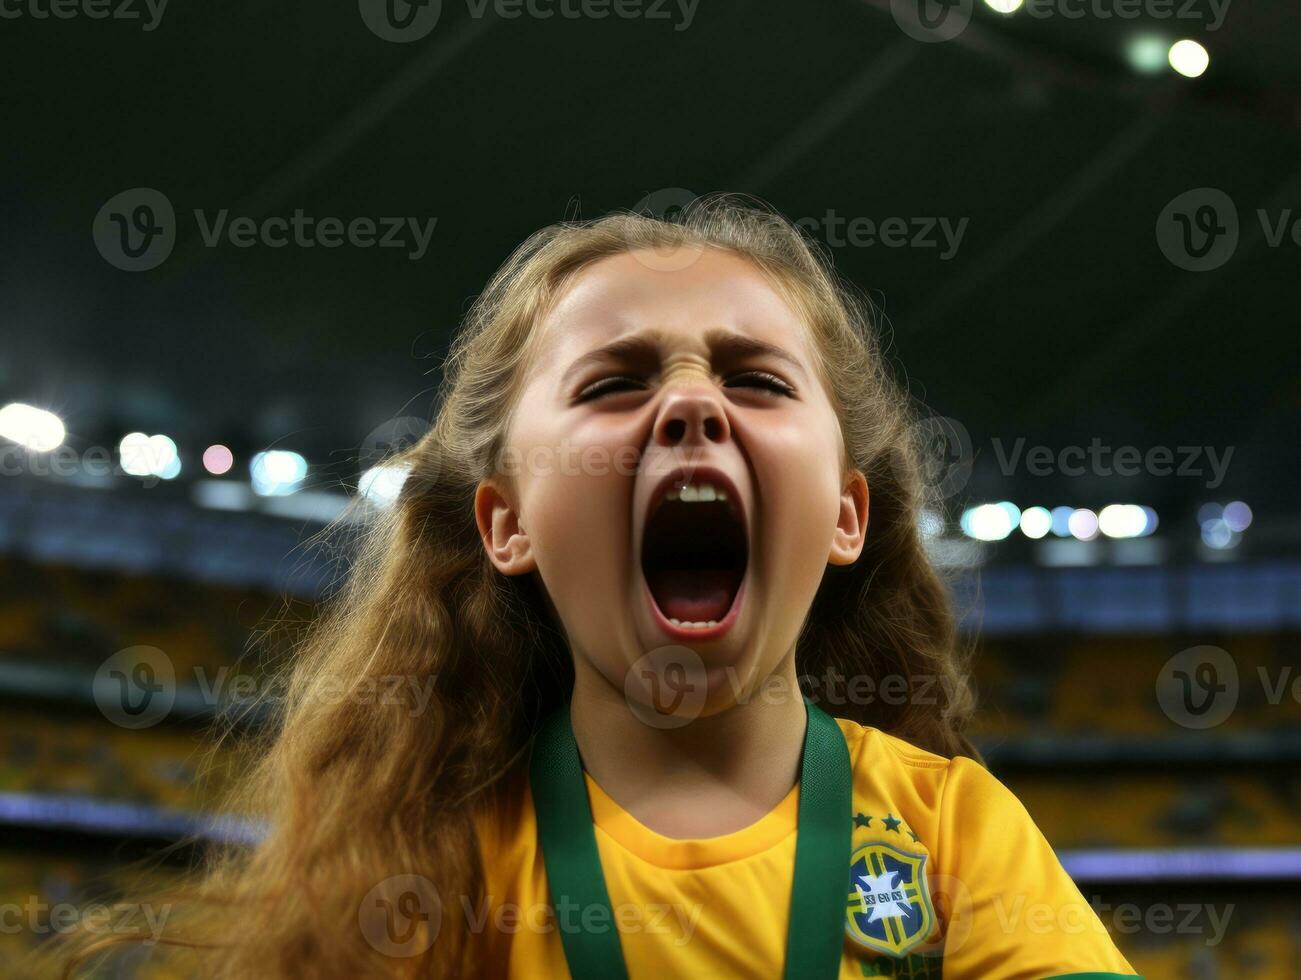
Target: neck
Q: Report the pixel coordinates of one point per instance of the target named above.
(715, 775)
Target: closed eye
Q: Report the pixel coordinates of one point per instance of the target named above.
(614, 384)
(762, 380)
(610, 385)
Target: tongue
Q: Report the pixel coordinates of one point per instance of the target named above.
(693, 595)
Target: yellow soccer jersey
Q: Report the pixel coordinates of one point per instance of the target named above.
(948, 876)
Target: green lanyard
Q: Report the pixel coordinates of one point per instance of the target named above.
(822, 851)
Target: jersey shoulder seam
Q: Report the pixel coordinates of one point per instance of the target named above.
(904, 750)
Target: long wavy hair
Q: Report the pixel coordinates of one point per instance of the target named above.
(353, 792)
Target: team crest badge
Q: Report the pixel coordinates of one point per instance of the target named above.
(889, 904)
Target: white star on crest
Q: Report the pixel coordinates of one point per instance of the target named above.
(884, 907)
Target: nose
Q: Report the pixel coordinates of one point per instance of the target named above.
(691, 414)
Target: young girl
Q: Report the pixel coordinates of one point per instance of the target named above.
(696, 701)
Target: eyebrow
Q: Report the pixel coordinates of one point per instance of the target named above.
(644, 346)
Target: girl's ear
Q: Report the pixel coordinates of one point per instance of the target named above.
(851, 526)
(504, 537)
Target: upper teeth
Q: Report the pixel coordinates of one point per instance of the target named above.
(697, 492)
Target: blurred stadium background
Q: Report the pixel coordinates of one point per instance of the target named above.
(1114, 403)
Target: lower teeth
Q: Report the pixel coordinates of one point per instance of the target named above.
(697, 626)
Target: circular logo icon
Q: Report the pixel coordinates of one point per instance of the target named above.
(1198, 230)
(135, 230)
(944, 454)
(956, 909)
(401, 916)
(931, 21)
(400, 21)
(136, 687)
(1198, 687)
(667, 687)
(667, 204)
(390, 438)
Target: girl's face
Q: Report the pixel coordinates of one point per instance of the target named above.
(673, 474)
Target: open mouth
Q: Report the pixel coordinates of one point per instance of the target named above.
(694, 552)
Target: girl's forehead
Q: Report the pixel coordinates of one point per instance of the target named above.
(681, 303)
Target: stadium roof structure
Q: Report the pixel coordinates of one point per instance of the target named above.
(999, 195)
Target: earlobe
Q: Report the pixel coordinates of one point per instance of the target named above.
(851, 524)
(501, 531)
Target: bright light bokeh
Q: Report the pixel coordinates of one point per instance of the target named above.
(133, 451)
(1083, 524)
(1062, 521)
(1122, 521)
(145, 455)
(381, 484)
(1218, 535)
(31, 427)
(1036, 522)
(218, 459)
(1237, 516)
(1012, 511)
(1147, 54)
(167, 458)
(989, 522)
(1152, 521)
(1188, 58)
(277, 472)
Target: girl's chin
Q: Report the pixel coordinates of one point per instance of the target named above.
(677, 674)
(673, 685)
(669, 693)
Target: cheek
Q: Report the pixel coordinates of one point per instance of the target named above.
(575, 498)
(799, 474)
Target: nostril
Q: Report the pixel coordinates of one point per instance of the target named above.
(675, 430)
